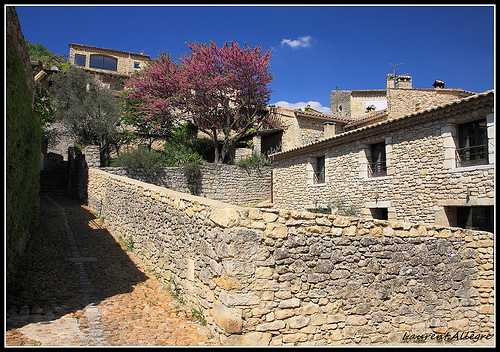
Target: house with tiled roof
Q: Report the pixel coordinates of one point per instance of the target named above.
(296, 127)
(432, 166)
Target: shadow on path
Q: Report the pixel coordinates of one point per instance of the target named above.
(48, 283)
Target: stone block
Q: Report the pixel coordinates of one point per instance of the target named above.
(298, 321)
(228, 283)
(275, 325)
(226, 217)
(356, 320)
(228, 319)
(239, 299)
(276, 230)
(248, 339)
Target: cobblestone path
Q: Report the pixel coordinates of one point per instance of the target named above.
(77, 286)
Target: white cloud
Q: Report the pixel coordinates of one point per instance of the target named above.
(314, 104)
(300, 42)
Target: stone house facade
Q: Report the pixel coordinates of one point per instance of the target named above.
(296, 129)
(111, 66)
(434, 166)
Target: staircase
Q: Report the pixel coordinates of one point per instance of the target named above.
(53, 180)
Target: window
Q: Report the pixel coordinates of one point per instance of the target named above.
(80, 60)
(377, 164)
(380, 213)
(472, 144)
(472, 217)
(319, 170)
(137, 65)
(103, 62)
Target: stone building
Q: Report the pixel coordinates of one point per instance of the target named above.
(296, 129)
(433, 166)
(399, 98)
(111, 67)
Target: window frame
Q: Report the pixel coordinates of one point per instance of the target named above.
(94, 64)
(77, 59)
(315, 161)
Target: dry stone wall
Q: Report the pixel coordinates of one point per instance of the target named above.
(227, 183)
(282, 277)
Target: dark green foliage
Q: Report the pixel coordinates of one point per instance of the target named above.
(140, 159)
(192, 172)
(205, 148)
(179, 146)
(175, 154)
(23, 148)
(255, 160)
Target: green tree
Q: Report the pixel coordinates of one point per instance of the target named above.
(91, 112)
(48, 59)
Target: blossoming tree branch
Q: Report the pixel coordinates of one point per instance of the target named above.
(222, 90)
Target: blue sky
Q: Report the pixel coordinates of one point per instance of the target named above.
(315, 48)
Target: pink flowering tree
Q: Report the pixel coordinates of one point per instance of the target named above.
(222, 90)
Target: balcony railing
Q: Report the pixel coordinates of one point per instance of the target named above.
(377, 168)
(475, 155)
(319, 177)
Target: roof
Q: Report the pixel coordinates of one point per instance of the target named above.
(119, 51)
(448, 109)
(317, 115)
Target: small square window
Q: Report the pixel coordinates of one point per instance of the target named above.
(137, 65)
(380, 213)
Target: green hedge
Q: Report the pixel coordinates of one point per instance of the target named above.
(23, 148)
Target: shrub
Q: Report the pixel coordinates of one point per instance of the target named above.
(192, 172)
(255, 160)
(140, 159)
(175, 154)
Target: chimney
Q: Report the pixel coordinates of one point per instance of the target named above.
(328, 129)
(389, 80)
(402, 81)
(438, 84)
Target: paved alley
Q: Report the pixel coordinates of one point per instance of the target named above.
(78, 286)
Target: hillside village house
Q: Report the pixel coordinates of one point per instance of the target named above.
(111, 68)
(433, 166)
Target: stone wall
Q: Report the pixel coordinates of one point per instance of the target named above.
(282, 277)
(359, 99)
(402, 102)
(226, 183)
